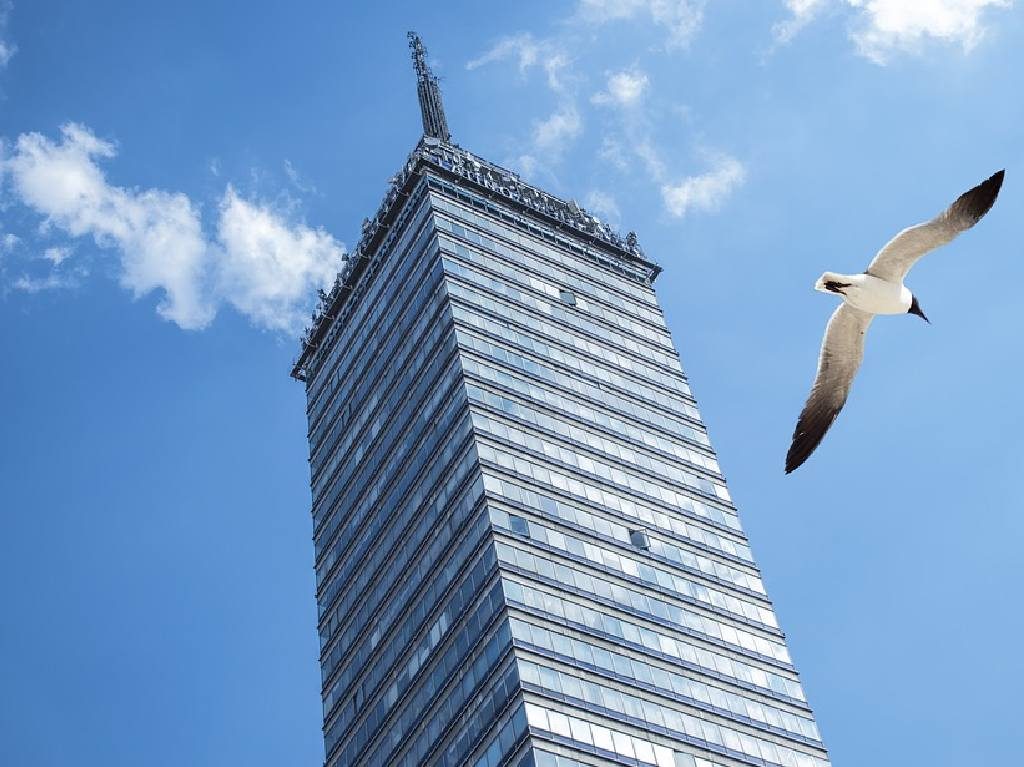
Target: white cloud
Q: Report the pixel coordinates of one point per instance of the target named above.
(267, 268)
(705, 192)
(7, 48)
(682, 18)
(57, 254)
(528, 53)
(157, 233)
(558, 130)
(604, 206)
(624, 89)
(261, 264)
(884, 27)
(651, 158)
(802, 13)
(527, 165)
(898, 25)
(8, 242)
(613, 151)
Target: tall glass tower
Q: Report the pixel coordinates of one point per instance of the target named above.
(525, 551)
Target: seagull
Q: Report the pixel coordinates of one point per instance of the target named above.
(879, 290)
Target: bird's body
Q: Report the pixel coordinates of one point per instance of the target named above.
(866, 292)
(878, 290)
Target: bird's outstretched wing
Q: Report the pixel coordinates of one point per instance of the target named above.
(902, 251)
(842, 349)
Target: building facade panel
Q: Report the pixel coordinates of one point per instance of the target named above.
(637, 613)
(526, 553)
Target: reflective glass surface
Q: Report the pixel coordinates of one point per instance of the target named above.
(526, 552)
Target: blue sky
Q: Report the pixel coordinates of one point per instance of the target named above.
(178, 178)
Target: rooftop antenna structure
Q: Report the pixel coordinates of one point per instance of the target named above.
(435, 124)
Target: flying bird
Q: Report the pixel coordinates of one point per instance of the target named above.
(879, 290)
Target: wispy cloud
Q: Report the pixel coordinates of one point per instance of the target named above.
(7, 48)
(604, 206)
(802, 13)
(881, 28)
(627, 107)
(297, 180)
(624, 89)
(259, 261)
(551, 136)
(707, 191)
(57, 254)
(553, 133)
(8, 242)
(56, 280)
(680, 18)
(529, 52)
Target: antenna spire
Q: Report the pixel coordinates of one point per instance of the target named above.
(435, 124)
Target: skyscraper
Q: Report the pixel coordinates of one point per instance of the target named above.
(525, 551)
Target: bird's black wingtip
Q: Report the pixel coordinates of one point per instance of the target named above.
(793, 462)
(976, 202)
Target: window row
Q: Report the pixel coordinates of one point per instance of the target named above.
(554, 249)
(547, 759)
(416, 496)
(620, 448)
(667, 683)
(586, 380)
(603, 739)
(553, 340)
(568, 304)
(407, 348)
(596, 473)
(614, 306)
(403, 312)
(411, 396)
(350, 529)
(621, 502)
(403, 660)
(367, 305)
(629, 600)
(512, 730)
(474, 681)
(420, 681)
(599, 525)
(638, 431)
(533, 238)
(689, 655)
(669, 721)
(621, 402)
(366, 667)
(407, 588)
(631, 568)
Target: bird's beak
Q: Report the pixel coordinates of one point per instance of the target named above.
(915, 308)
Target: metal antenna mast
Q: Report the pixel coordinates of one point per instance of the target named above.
(432, 108)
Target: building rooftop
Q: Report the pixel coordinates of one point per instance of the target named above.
(437, 153)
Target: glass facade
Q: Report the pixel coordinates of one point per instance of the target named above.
(526, 553)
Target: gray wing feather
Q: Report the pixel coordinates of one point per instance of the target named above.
(903, 251)
(841, 353)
